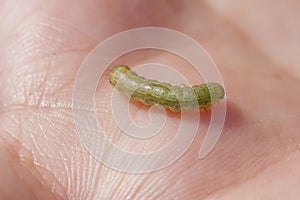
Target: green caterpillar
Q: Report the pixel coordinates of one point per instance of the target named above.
(174, 98)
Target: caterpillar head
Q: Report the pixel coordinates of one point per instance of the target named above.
(117, 73)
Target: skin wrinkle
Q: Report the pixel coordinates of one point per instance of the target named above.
(41, 97)
(54, 138)
(120, 139)
(160, 193)
(175, 178)
(95, 179)
(101, 189)
(141, 184)
(21, 174)
(58, 29)
(153, 188)
(35, 145)
(233, 185)
(69, 192)
(118, 193)
(112, 177)
(218, 164)
(76, 189)
(5, 33)
(55, 186)
(139, 187)
(43, 86)
(133, 190)
(81, 186)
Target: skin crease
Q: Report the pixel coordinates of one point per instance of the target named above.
(257, 156)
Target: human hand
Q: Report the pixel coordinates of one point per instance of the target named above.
(43, 45)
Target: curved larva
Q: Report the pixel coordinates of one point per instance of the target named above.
(174, 98)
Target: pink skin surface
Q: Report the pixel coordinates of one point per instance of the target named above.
(256, 47)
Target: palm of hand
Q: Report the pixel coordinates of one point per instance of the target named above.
(42, 48)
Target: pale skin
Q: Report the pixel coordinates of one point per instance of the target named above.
(255, 47)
